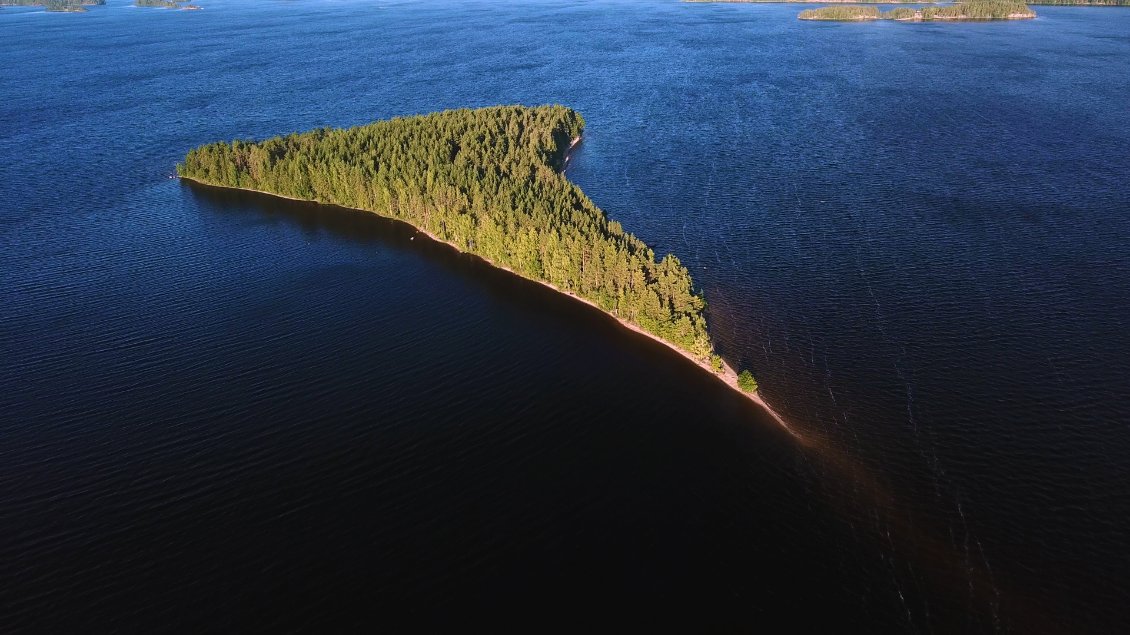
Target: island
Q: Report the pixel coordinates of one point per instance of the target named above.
(814, 1)
(842, 14)
(1073, 3)
(488, 182)
(54, 6)
(167, 4)
(972, 10)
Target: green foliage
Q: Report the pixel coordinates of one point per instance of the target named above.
(848, 13)
(1084, 3)
(971, 10)
(1079, 3)
(811, 1)
(978, 10)
(54, 5)
(900, 13)
(716, 363)
(746, 382)
(489, 182)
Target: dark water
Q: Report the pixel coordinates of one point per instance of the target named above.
(226, 412)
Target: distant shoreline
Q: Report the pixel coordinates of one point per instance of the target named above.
(728, 376)
(972, 11)
(1049, 3)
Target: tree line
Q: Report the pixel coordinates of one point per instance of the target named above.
(53, 5)
(970, 10)
(1084, 3)
(488, 181)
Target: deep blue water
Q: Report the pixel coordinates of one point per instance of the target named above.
(221, 411)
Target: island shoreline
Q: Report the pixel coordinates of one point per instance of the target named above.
(728, 376)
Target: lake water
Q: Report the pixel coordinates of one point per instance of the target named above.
(222, 411)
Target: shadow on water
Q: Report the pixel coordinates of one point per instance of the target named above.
(365, 228)
(625, 523)
(918, 554)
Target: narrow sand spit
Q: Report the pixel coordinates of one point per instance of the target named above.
(728, 376)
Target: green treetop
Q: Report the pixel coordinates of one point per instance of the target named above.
(488, 181)
(746, 382)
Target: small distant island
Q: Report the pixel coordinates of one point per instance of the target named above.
(488, 182)
(1073, 3)
(972, 10)
(814, 1)
(79, 6)
(55, 6)
(167, 4)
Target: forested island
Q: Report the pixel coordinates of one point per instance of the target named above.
(78, 6)
(58, 6)
(489, 182)
(972, 10)
(1083, 3)
(1074, 3)
(814, 1)
(166, 4)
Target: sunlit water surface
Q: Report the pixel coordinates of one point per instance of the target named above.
(226, 412)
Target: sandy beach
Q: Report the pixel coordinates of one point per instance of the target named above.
(728, 375)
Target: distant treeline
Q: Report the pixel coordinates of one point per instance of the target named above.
(159, 4)
(488, 181)
(841, 14)
(165, 4)
(80, 5)
(40, 3)
(1078, 3)
(972, 10)
(815, 1)
(979, 10)
(53, 5)
(1084, 3)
